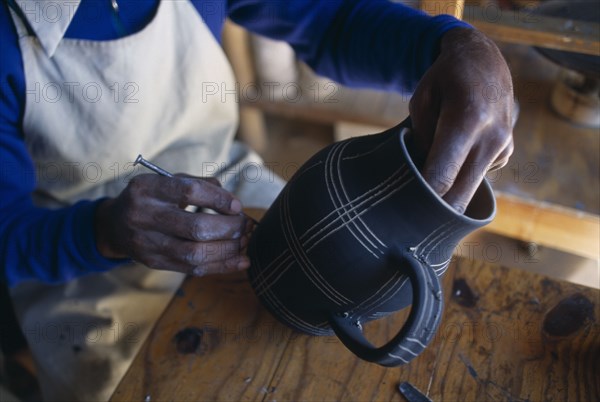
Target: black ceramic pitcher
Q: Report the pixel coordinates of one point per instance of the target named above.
(358, 234)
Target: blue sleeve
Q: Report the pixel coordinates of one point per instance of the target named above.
(48, 245)
(359, 43)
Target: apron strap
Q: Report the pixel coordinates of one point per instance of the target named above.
(21, 24)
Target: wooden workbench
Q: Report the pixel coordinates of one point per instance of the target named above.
(506, 335)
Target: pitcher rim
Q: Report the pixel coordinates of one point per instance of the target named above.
(463, 217)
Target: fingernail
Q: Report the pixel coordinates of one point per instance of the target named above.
(243, 242)
(236, 206)
(459, 208)
(243, 264)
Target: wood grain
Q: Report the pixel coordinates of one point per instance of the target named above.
(525, 28)
(495, 342)
(522, 26)
(550, 225)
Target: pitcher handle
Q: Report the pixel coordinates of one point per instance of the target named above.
(418, 330)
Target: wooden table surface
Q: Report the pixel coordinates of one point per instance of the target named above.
(507, 335)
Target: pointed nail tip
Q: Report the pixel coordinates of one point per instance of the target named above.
(235, 206)
(243, 265)
(459, 209)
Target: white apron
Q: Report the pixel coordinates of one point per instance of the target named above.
(166, 92)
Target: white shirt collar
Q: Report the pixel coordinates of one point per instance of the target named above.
(49, 20)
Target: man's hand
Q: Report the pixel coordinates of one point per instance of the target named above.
(462, 115)
(147, 223)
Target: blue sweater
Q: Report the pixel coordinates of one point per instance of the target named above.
(372, 43)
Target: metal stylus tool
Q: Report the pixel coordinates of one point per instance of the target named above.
(412, 394)
(141, 161)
